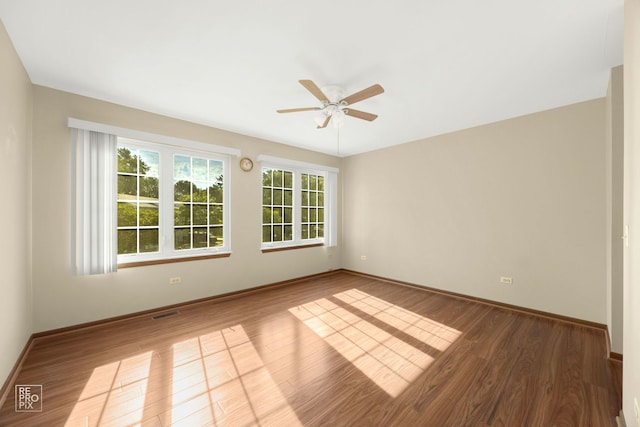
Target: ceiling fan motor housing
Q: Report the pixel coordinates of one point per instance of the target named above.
(333, 93)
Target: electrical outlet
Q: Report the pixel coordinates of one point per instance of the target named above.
(363, 257)
(506, 280)
(636, 409)
(175, 280)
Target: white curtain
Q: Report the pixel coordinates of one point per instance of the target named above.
(331, 235)
(94, 191)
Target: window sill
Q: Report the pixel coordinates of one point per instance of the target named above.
(172, 260)
(287, 248)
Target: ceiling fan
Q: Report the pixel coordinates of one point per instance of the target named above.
(335, 105)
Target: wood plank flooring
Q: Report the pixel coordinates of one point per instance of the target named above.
(340, 349)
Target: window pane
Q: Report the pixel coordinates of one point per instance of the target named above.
(288, 198)
(305, 215)
(149, 240)
(305, 231)
(181, 168)
(200, 170)
(182, 191)
(305, 181)
(127, 160)
(267, 179)
(277, 178)
(267, 215)
(313, 182)
(219, 192)
(149, 163)
(313, 198)
(320, 230)
(277, 215)
(182, 214)
(149, 188)
(266, 196)
(149, 214)
(313, 215)
(277, 233)
(127, 214)
(127, 242)
(321, 215)
(312, 231)
(320, 199)
(321, 183)
(182, 238)
(216, 171)
(288, 180)
(200, 237)
(288, 215)
(200, 192)
(288, 232)
(215, 236)
(266, 233)
(127, 186)
(277, 197)
(215, 193)
(305, 198)
(215, 214)
(199, 215)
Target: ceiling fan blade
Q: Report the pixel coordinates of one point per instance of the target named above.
(315, 90)
(326, 122)
(295, 110)
(374, 90)
(360, 114)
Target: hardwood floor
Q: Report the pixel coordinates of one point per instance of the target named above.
(337, 350)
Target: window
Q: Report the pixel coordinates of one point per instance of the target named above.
(198, 203)
(172, 203)
(277, 205)
(295, 202)
(312, 206)
(138, 200)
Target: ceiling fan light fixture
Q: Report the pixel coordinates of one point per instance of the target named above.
(337, 117)
(320, 118)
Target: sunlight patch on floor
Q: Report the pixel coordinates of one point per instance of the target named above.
(388, 361)
(220, 379)
(215, 379)
(114, 395)
(428, 331)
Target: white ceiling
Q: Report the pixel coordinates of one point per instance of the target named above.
(444, 65)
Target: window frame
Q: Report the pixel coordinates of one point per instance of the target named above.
(137, 197)
(167, 251)
(294, 197)
(301, 223)
(330, 199)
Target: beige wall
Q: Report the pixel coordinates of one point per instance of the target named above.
(631, 374)
(523, 198)
(614, 189)
(62, 299)
(15, 187)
